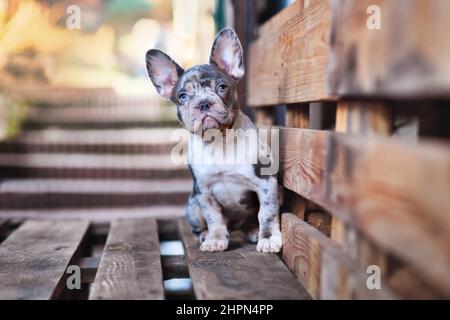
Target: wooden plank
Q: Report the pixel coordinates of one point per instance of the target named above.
(297, 116)
(264, 117)
(239, 273)
(91, 193)
(104, 214)
(288, 62)
(320, 265)
(130, 267)
(396, 194)
(34, 258)
(320, 220)
(406, 57)
(364, 119)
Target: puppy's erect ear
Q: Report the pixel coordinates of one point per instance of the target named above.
(163, 71)
(227, 53)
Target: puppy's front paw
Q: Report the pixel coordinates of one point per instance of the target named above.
(272, 244)
(212, 245)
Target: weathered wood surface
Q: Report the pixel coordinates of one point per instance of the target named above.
(364, 119)
(321, 266)
(297, 116)
(319, 50)
(288, 62)
(34, 258)
(407, 57)
(396, 194)
(130, 267)
(320, 220)
(97, 215)
(239, 273)
(91, 193)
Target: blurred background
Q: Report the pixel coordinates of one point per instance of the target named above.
(38, 48)
(83, 133)
(48, 46)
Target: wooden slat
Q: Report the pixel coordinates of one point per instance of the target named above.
(408, 56)
(130, 267)
(396, 194)
(288, 63)
(91, 193)
(297, 116)
(317, 50)
(364, 118)
(360, 118)
(98, 215)
(239, 273)
(34, 258)
(321, 266)
(320, 220)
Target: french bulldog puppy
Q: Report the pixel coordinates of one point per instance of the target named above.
(226, 196)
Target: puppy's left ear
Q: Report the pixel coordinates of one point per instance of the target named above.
(227, 53)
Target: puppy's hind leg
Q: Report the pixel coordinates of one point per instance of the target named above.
(195, 218)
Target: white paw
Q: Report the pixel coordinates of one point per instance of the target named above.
(214, 245)
(272, 244)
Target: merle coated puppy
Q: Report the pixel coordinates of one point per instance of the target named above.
(225, 196)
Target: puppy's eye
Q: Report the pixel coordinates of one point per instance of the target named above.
(222, 88)
(183, 97)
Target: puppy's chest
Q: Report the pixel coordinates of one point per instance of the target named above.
(208, 175)
(221, 159)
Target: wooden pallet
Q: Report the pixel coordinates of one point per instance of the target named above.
(122, 260)
(362, 117)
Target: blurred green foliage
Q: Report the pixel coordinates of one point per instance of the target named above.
(120, 7)
(12, 114)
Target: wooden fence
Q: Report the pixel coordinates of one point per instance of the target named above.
(371, 185)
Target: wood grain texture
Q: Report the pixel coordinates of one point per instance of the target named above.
(297, 116)
(320, 220)
(321, 266)
(364, 119)
(34, 258)
(396, 194)
(407, 57)
(130, 267)
(239, 273)
(288, 62)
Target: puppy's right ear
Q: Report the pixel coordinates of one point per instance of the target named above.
(163, 71)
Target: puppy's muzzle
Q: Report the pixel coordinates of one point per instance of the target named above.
(204, 105)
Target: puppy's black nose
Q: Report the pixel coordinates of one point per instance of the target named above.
(204, 105)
